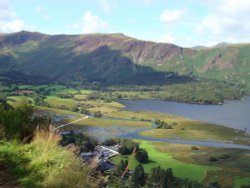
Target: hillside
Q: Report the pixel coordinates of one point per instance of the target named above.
(116, 59)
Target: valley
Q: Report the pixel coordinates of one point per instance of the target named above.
(197, 140)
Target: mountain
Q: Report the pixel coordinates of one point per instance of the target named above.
(117, 59)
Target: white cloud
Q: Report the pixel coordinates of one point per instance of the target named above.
(91, 24)
(105, 5)
(170, 16)
(228, 20)
(39, 9)
(9, 21)
(218, 24)
(167, 38)
(15, 26)
(235, 6)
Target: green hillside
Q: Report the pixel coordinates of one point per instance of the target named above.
(113, 59)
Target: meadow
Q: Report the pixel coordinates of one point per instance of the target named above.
(181, 169)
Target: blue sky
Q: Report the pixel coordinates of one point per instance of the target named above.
(182, 22)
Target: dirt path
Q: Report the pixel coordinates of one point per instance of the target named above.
(61, 126)
(6, 180)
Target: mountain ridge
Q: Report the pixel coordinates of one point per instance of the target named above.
(115, 57)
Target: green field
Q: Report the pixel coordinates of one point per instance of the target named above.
(60, 102)
(18, 100)
(164, 160)
(241, 181)
(108, 122)
(195, 130)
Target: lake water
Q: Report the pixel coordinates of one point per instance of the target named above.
(233, 113)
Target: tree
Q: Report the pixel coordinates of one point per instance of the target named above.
(39, 101)
(84, 111)
(4, 104)
(127, 147)
(168, 178)
(161, 177)
(75, 108)
(155, 174)
(110, 142)
(138, 177)
(98, 114)
(141, 156)
(120, 168)
(214, 185)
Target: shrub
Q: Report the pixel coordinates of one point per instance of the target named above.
(110, 142)
(58, 166)
(213, 159)
(138, 177)
(127, 147)
(141, 156)
(224, 156)
(20, 123)
(98, 114)
(194, 148)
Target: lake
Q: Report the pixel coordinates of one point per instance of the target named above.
(233, 113)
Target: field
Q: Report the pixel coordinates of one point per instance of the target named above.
(165, 160)
(186, 128)
(238, 182)
(195, 130)
(108, 122)
(235, 164)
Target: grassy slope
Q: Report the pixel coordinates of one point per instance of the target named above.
(233, 63)
(43, 163)
(164, 160)
(70, 57)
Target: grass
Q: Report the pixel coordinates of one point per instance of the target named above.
(60, 102)
(196, 130)
(234, 166)
(86, 91)
(165, 160)
(186, 128)
(43, 163)
(18, 100)
(147, 115)
(109, 122)
(68, 91)
(38, 87)
(241, 181)
(104, 107)
(58, 111)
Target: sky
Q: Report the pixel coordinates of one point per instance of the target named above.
(182, 22)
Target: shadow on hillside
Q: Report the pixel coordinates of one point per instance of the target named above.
(110, 67)
(105, 66)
